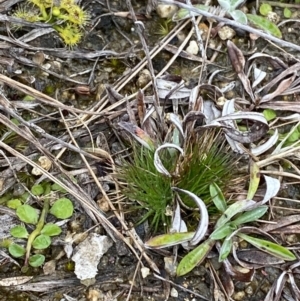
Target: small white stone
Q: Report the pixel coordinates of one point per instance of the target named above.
(192, 48)
(145, 272)
(226, 33)
(144, 78)
(174, 293)
(166, 10)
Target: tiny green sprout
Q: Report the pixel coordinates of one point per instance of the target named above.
(287, 13)
(68, 17)
(269, 114)
(40, 237)
(265, 8)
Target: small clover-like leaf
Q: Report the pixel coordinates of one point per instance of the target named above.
(62, 208)
(36, 260)
(37, 189)
(269, 114)
(14, 203)
(51, 230)
(41, 242)
(16, 250)
(265, 8)
(19, 232)
(287, 13)
(27, 214)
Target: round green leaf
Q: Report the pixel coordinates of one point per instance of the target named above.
(37, 189)
(287, 13)
(27, 214)
(62, 208)
(36, 260)
(269, 114)
(16, 250)
(19, 232)
(14, 204)
(41, 242)
(51, 230)
(265, 8)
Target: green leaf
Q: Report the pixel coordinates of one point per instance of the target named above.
(41, 242)
(36, 260)
(51, 230)
(223, 231)
(57, 187)
(168, 240)
(47, 188)
(16, 250)
(269, 247)
(230, 4)
(27, 214)
(294, 136)
(62, 208)
(264, 9)
(217, 197)
(250, 216)
(287, 13)
(239, 16)
(269, 114)
(193, 258)
(14, 204)
(37, 189)
(254, 180)
(231, 211)
(225, 249)
(19, 232)
(264, 24)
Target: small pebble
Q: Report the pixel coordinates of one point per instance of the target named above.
(239, 296)
(166, 11)
(192, 48)
(226, 33)
(174, 293)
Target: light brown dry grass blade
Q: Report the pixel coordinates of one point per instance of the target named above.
(101, 106)
(40, 96)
